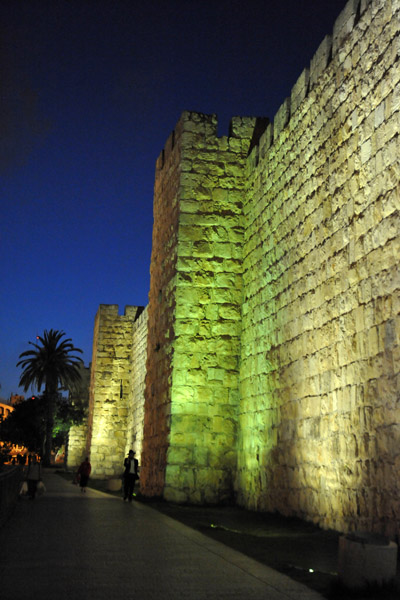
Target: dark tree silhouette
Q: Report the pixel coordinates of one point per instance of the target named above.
(54, 365)
(26, 424)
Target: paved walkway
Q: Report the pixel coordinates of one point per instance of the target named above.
(67, 545)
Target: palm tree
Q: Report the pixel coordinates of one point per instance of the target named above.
(53, 365)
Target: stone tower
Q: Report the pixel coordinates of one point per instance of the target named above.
(191, 394)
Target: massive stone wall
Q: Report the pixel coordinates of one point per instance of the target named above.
(134, 438)
(160, 318)
(194, 312)
(77, 440)
(110, 399)
(77, 436)
(273, 318)
(319, 424)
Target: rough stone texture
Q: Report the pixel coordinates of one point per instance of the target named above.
(77, 436)
(77, 439)
(160, 318)
(273, 320)
(110, 388)
(194, 312)
(319, 419)
(138, 358)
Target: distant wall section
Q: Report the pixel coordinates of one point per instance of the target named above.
(110, 388)
(77, 439)
(77, 435)
(138, 358)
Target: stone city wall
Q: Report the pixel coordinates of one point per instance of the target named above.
(273, 317)
(194, 312)
(161, 318)
(319, 423)
(77, 435)
(201, 455)
(110, 389)
(134, 438)
(77, 438)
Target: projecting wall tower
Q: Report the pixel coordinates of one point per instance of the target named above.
(191, 394)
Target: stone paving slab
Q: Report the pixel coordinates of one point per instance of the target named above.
(68, 545)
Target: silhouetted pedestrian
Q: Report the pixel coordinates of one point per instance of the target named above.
(84, 471)
(131, 465)
(33, 476)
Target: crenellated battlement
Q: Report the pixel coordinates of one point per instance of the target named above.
(330, 49)
(207, 124)
(205, 127)
(189, 122)
(131, 311)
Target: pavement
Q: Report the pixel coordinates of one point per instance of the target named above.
(69, 545)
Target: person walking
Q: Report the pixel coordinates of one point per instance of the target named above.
(131, 465)
(85, 468)
(33, 476)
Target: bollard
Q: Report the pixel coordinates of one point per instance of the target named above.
(366, 558)
(114, 485)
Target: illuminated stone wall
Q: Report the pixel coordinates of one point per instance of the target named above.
(194, 312)
(134, 438)
(77, 435)
(110, 399)
(273, 318)
(77, 439)
(160, 319)
(319, 425)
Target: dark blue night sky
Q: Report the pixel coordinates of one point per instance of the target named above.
(90, 91)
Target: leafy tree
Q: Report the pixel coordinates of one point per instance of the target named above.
(68, 413)
(54, 365)
(26, 424)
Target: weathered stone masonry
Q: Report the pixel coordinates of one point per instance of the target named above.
(273, 319)
(111, 401)
(319, 416)
(194, 312)
(134, 434)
